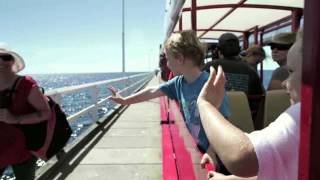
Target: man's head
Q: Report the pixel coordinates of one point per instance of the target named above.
(294, 63)
(280, 45)
(228, 45)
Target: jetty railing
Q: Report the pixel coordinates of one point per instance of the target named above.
(130, 84)
(99, 121)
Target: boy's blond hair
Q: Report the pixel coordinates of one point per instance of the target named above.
(256, 50)
(187, 44)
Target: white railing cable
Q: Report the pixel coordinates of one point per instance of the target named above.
(107, 98)
(71, 89)
(96, 103)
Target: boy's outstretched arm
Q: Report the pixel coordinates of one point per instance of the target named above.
(232, 146)
(143, 95)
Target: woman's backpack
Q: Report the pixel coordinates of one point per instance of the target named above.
(57, 134)
(46, 139)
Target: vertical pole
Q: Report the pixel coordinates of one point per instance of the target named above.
(255, 35)
(256, 41)
(180, 23)
(295, 19)
(261, 64)
(245, 40)
(123, 39)
(309, 156)
(94, 91)
(194, 15)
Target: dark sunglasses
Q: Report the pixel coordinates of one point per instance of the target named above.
(281, 47)
(6, 57)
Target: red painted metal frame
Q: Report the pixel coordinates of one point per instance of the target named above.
(278, 27)
(276, 23)
(223, 17)
(309, 168)
(227, 30)
(224, 30)
(180, 23)
(242, 6)
(296, 16)
(194, 15)
(245, 38)
(255, 35)
(169, 169)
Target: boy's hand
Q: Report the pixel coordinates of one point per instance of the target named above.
(116, 97)
(213, 90)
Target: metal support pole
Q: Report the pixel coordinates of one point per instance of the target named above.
(180, 23)
(194, 15)
(245, 40)
(295, 19)
(123, 39)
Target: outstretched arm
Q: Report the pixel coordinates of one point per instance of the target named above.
(143, 95)
(232, 146)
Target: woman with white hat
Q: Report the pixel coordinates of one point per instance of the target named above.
(22, 106)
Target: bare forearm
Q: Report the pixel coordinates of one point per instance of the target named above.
(144, 95)
(231, 144)
(232, 177)
(33, 117)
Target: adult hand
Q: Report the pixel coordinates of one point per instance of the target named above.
(213, 90)
(212, 175)
(7, 117)
(205, 160)
(116, 97)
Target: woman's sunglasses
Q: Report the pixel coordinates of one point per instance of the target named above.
(6, 57)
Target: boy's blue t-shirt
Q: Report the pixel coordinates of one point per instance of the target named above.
(187, 94)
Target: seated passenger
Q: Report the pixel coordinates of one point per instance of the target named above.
(280, 45)
(271, 153)
(255, 55)
(240, 76)
(164, 70)
(185, 55)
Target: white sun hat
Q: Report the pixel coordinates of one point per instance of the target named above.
(18, 60)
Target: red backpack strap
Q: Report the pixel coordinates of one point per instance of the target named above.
(13, 88)
(20, 104)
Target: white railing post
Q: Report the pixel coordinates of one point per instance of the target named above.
(56, 98)
(94, 91)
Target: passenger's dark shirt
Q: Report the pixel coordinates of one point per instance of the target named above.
(281, 73)
(240, 76)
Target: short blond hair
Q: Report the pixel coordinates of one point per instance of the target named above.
(187, 44)
(256, 50)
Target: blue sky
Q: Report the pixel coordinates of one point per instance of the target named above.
(59, 36)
